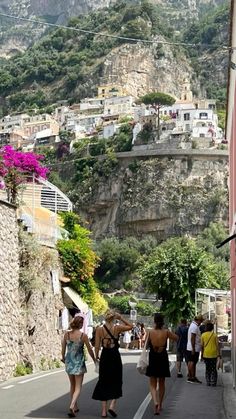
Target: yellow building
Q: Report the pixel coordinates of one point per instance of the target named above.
(109, 90)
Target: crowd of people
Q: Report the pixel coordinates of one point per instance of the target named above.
(192, 340)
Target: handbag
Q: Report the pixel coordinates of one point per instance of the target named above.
(97, 367)
(143, 359)
(219, 364)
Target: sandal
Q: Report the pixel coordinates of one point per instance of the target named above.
(157, 410)
(72, 413)
(112, 413)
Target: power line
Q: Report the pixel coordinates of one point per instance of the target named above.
(145, 41)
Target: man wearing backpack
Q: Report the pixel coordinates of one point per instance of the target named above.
(182, 332)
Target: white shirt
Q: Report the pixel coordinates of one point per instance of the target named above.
(194, 328)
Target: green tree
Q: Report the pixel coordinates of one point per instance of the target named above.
(79, 261)
(174, 270)
(157, 100)
(116, 257)
(214, 234)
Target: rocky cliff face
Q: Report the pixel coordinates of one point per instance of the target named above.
(161, 196)
(140, 69)
(18, 35)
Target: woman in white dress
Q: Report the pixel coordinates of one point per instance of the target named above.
(127, 339)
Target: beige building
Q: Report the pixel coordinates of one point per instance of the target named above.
(39, 123)
(109, 90)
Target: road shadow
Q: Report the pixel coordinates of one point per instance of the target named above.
(89, 408)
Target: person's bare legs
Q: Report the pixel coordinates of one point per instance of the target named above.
(113, 405)
(161, 391)
(153, 389)
(78, 386)
(104, 408)
(72, 386)
(178, 367)
(191, 369)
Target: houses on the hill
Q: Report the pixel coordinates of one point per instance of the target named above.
(103, 115)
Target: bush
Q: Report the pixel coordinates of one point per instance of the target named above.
(145, 309)
(120, 303)
(22, 369)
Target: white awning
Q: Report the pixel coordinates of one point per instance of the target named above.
(77, 300)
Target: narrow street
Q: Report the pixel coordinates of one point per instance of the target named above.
(45, 395)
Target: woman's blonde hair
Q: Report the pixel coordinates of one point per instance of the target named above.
(110, 315)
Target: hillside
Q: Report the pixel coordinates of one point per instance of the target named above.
(69, 64)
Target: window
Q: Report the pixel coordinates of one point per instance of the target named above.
(203, 115)
(187, 117)
(202, 135)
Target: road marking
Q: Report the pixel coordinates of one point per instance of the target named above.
(140, 412)
(143, 406)
(39, 377)
(7, 387)
(45, 375)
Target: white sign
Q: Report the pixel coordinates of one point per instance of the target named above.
(133, 314)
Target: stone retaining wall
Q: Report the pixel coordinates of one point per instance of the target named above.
(29, 332)
(9, 295)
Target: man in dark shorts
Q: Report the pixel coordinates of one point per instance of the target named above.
(194, 348)
(182, 332)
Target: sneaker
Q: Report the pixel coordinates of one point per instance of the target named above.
(190, 380)
(179, 375)
(196, 380)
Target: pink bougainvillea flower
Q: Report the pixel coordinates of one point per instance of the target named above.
(17, 167)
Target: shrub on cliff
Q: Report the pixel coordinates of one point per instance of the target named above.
(79, 261)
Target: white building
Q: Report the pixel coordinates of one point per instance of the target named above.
(92, 105)
(120, 105)
(200, 122)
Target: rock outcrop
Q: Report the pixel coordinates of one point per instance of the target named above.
(162, 196)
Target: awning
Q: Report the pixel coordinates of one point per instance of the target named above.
(77, 300)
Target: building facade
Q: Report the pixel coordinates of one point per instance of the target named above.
(231, 137)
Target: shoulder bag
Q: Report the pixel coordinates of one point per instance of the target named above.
(143, 359)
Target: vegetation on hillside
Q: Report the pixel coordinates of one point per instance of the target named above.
(68, 63)
(171, 270)
(210, 34)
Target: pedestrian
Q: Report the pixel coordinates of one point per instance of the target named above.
(158, 367)
(136, 332)
(127, 339)
(194, 348)
(143, 334)
(210, 353)
(109, 385)
(182, 333)
(74, 359)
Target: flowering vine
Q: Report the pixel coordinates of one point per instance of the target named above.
(16, 168)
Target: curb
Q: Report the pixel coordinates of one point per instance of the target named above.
(229, 396)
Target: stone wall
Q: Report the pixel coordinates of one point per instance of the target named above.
(39, 337)
(9, 295)
(29, 300)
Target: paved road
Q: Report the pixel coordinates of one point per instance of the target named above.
(45, 395)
